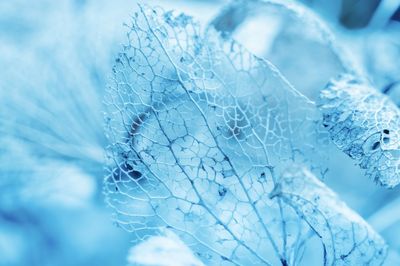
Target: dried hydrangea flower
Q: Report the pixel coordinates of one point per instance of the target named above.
(200, 131)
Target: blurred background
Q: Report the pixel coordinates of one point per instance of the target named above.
(55, 62)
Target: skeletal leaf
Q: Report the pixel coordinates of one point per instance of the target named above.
(198, 126)
(347, 239)
(364, 124)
